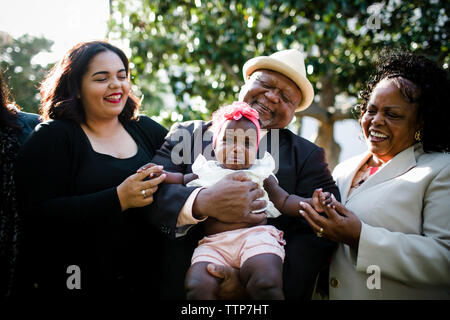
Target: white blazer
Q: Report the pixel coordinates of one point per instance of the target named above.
(405, 212)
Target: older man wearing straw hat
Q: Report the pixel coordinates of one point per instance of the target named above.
(276, 86)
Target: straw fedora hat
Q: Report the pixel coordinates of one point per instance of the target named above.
(289, 63)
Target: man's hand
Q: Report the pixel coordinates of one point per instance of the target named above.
(230, 287)
(231, 200)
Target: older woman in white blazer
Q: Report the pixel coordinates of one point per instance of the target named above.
(393, 223)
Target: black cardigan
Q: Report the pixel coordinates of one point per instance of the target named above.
(68, 198)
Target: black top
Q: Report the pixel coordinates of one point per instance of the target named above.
(11, 139)
(27, 122)
(302, 169)
(69, 200)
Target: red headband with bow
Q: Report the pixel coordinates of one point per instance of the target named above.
(236, 111)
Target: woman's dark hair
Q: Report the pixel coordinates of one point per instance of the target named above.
(7, 115)
(428, 87)
(61, 88)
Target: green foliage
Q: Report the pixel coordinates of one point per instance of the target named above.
(199, 47)
(23, 77)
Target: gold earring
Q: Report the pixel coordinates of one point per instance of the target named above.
(418, 136)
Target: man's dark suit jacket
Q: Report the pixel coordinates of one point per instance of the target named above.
(302, 169)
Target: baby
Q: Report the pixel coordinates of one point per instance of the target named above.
(257, 251)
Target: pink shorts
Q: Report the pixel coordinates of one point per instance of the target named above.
(233, 248)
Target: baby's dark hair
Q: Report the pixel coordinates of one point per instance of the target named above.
(428, 87)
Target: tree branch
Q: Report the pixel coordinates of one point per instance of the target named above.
(227, 68)
(230, 71)
(314, 111)
(341, 113)
(331, 114)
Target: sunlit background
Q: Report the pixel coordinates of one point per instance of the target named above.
(66, 23)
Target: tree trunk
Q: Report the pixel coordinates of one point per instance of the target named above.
(325, 134)
(325, 139)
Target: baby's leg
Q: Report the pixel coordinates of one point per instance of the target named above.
(200, 285)
(262, 276)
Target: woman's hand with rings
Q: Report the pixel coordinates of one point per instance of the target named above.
(320, 233)
(340, 225)
(135, 191)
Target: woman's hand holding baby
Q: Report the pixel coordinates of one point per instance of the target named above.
(320, 200)
(135, 191)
